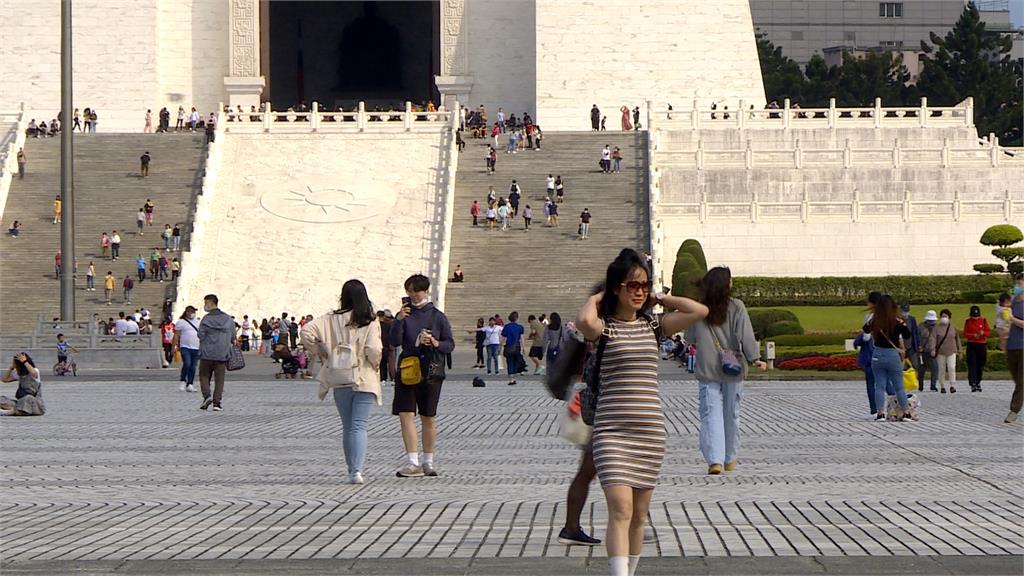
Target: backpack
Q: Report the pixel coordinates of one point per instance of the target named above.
(342, 361)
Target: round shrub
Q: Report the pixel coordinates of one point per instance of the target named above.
(1002, 235)
(988, 268)
(783, 327)
(763, 318)
(693, 248)
(685, 275)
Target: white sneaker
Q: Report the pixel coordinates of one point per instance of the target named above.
(191, 388)
(1011, 418)
(182, 387)
(356, 478)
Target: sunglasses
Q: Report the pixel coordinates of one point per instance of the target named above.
(634, 285)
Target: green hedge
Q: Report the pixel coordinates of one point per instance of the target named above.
(782, 328)
(774, 321)
(812, 339)
(761, 291)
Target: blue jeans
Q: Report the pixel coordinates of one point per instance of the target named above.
(719, 421)
(888, 370)
(492, 354)
(189, 361)
(354, 409)
(90, 282)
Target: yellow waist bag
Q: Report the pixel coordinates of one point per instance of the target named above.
(409, 369)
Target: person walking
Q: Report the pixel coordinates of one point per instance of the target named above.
(606, 159)
(474, 211)
(945, 346)
(616, 159)
(555, 334)
(479, 338)
(148, 127)
(492, 159)
(22, 160)
(149, 208)
(914, 342)
(104, 244)
(425, 336)
(726, 328)
(355, 328)
(127, 285)
(584, 224)
(108, 286)
(140, 221)
(513, 201)
(976, 332)
(115, 245)
(492, 343)
(166, 235)
(193, 120)
(559, 189)
(167, 340)
(77, 122)
(928, 361)
(527, 216)
(549, 186)
(90, 277)
(144, 163)
(140, 268)
(628, 440)
(491, 215)
(1015, 349)
(553, 213)
(216, 336)
(595, 118)
(636, 118)
(186, 343)
(886, 326)
(176, 237)
(58, 208)
(512, 335)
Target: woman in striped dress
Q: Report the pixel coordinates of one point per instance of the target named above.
(629, 429)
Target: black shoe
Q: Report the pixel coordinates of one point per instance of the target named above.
(512, 383)
(934, 389)
(576, 537)
(880, 417)
(952, 389)
(217, 408)
(206, 403)
(979, 388)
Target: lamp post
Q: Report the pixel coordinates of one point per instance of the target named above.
(67, 226)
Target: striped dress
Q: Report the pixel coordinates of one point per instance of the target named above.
(629, 427)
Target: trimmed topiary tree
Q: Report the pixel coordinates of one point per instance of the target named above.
(1003, 236)
(689, 268)
(770, 322)
(693, 247)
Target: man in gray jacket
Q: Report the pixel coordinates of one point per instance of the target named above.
(216, 336)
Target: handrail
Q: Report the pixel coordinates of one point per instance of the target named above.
(317, 120)
(9, 162)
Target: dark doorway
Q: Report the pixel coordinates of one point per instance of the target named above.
(338, 53)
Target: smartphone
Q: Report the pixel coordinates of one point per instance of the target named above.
(406, 301)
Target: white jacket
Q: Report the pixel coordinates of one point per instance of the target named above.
(318, 338)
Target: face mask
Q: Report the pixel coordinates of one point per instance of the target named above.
(975, 314)
(1018, 290)
(906, 314)
(944, 320)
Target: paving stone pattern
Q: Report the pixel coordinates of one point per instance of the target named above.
(121, 470)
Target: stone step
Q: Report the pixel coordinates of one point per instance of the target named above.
(108, 193)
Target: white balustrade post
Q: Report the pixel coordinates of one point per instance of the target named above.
(855, 211)
(695, 116)
(945, 152)
(969, 112)
(742, 114)
(922, 113)
(748, 156)
(703, 209)
(832, 113)
(650, 116)
(995, 151)
(361, 117)
(804, 205)
(314, 118)
(906, 205)
(798, 155)
(700, 154)
(267, 117)
(753, 207)
(1008, 206)
(878, 113)
(408, 116)
(847, 155)
(896, 153)
(956, 205)
(785, 115)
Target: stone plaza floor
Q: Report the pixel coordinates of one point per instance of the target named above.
(125, 475)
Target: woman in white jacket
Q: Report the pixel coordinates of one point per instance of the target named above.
(355, 325)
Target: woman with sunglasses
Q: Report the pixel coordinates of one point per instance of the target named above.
(629, 428)
(28, 400)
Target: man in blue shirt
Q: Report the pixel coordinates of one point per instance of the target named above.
(513, 335)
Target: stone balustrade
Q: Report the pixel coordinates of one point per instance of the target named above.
(317, 120)
(449, 166)
(12, 140)
(988, 152)
(857, 209)
(788, 116)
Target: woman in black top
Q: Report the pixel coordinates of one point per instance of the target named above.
(886, 327)
(480, 336)
(266, 336)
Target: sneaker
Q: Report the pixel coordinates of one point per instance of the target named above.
(952, 389)
(206, 403)
(730, 466)
(934, 389)
(190, 388)
(217, 408)
(409, 471)
(182, 387)
(880, 417)
(943, 391)
(576, 537)
(715, 469)
(979, 388)
(512, 383)
(429, 470)
(355, 478)
(1011, 418)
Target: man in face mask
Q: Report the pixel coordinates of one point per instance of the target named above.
(926, 351)
(1015, 348)
(976, 332)
(914, 343)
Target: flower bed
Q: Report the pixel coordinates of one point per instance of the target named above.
(835, 363)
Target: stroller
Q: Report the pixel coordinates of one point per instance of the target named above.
(289, 363)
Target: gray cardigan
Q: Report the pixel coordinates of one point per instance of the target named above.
(736, 334)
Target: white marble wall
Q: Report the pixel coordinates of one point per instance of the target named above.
(611, 54)
(502, 52)
(129, 56)
(292, 217)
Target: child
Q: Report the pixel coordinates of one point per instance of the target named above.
(140, 220)
(62, 349)
(691, 357)
(1003, 319)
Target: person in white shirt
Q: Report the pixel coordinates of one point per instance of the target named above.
(492, 343)
(186, 341)
(551, 187)
(133, 327)
(120, 326)
(606, 159)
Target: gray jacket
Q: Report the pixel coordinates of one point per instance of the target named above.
(736, 334)
(216, 333)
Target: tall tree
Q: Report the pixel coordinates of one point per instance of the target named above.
(970, 61)
(861, 79)
(781, 75)
(820, 84)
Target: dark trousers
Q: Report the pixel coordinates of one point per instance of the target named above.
(514, 362)
(480, 354)
(142, 274)
(474, 220)
(1015, 362)
(869, 378)
(217, 370)
(928, 363)
(168, 352)
(144, 169)
(115, 250)
(977, 355)
(580, 489)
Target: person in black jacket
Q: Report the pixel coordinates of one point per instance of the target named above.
(887, 329)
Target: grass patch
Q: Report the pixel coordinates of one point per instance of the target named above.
(848, 319)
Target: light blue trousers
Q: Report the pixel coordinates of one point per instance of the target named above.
(354, 408)
(719, 421)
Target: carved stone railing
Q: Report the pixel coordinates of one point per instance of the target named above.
(788, 117)
(15, 140)
(317, 120)
(451, 166)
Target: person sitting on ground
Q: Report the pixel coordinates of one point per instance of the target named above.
(457, 276)
(15, 229)
(28, 400)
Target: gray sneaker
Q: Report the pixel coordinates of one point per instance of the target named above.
(410, 471)
(1011, 418)
(429, 470)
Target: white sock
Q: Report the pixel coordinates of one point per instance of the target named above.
(428, 457)
(634, 561)
(412, 458)
(618, 566)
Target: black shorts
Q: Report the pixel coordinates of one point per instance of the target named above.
(61, 358)
(536, 352)
(421, 398)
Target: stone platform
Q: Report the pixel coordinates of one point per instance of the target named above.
(125, 475)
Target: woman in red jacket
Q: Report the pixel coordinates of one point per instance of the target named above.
(976, 331)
